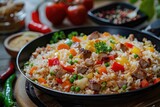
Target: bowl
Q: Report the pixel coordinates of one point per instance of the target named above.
(101, 19)
(11, 49)
(97, 99)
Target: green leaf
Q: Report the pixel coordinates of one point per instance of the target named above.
(133, 1)
(158, 11)
(147, 6)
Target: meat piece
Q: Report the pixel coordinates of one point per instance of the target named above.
(89, 62)
(123, 47)
(59, 72)
(85, 53)
(121, 83)
(76, 45)
(131, 37)
(94, 86)
(144, 63)
(139, 73)
(94, 35)
(82, 69)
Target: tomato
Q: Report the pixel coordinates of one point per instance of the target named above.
(117, 67)
(53, 61)
(88, 4)
(77, 14)
(56, 13)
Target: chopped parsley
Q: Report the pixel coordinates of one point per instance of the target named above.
(101, 47)
(57, 36)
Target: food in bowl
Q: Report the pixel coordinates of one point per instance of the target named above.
(117, 15)
(100, 63)
(16, 41)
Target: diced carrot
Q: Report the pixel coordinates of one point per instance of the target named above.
(102, 69)
(69, 68)
(97, 40)
(32, 70)
(66, 85)
(106, 34)
(63, 46)
(73, 52)
(75, 39)
(144, 83)
(42, 80)
(156, 80)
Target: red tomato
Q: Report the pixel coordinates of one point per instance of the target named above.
(77, 14)
(88, 4)
(56, 13)
(117, 67)
(53, 61)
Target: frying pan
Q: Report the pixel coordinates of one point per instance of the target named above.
(97, 99)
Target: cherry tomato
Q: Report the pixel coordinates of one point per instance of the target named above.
(77, 14)
(56, 13)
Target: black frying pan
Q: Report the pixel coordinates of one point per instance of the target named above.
(93, 100)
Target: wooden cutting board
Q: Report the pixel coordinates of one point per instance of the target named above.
(21, 95)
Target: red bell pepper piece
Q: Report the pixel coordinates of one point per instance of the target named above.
(111, 57)
(53, 61)
(68, 68)
(117, 67)
(129, 45)
(59, 80)
(35, 17)
(99, 62)
(144, 83)
(156, 80)
(33, 26)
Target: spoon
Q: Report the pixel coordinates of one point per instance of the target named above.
(132, 14)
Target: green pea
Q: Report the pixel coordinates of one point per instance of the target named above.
(124, 87)
(109, 48)
(80, 77)
(75, 61)
(71, 79)
(52, 73)
(71, 62)
(72, 88)
(70, 56)
(74, 76)
(103, 84)
(107, 64)
(136, 56)
(77, 89)
(68, 42)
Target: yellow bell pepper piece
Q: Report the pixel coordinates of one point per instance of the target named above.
(122, 60)
(136, 50)
(90, 75)
(150, 49)
(84, 37)
(90, 46)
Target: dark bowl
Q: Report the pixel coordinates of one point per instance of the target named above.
(97, 99)
(102, 21)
